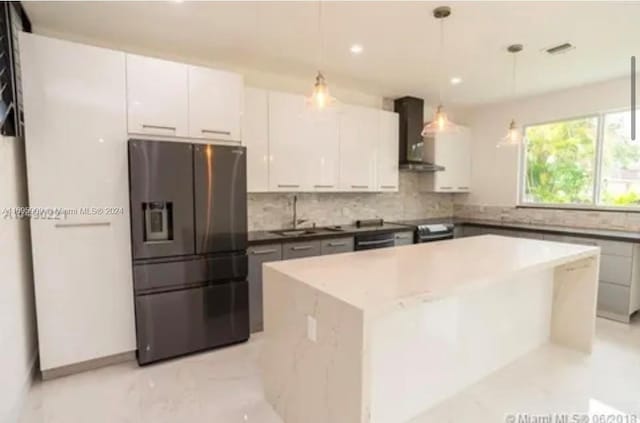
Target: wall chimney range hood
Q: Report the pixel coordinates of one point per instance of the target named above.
(411, 111)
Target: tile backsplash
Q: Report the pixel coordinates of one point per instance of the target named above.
(274, 210)
(572, 218)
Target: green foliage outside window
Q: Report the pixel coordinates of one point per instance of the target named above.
(560, 161)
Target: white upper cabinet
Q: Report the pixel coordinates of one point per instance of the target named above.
(215, 104)
(290, 147)
(255, 130)
(321, 129)
(387, 158)
(359, 135)
(453, 151)
(157, 97)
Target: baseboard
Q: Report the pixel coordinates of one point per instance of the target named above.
(623, 318)
(84, 366)
(29, 377)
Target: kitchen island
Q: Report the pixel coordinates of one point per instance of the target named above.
(381, 336)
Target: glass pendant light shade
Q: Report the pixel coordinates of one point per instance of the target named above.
(320, 97)
(513, 136)
(439, 123)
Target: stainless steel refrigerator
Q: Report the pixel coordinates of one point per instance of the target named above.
(189, 239)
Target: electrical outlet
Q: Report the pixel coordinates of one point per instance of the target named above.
(312, 328)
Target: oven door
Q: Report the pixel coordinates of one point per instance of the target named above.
(435, 237)
(369, 242)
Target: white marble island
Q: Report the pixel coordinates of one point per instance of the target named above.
(382, 335)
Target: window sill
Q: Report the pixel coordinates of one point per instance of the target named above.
(574, 207)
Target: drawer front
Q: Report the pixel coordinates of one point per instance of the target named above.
(473, 231)
(616, 248)
(403, 238)
(613, 298)
(179, 322)
(335, 246)
(294, 250)
(615, 269)
(530, 235)
(259, 255)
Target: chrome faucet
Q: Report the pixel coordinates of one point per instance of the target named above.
(295, 219)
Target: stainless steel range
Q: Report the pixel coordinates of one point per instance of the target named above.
(429, 230)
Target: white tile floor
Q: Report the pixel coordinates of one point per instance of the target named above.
(223, 386)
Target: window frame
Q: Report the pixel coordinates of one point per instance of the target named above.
(597, 168)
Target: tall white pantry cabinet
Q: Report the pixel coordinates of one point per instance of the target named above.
(75, 137)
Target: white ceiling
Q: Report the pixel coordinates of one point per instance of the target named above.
(400, 40)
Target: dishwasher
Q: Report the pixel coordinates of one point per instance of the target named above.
(371, 241)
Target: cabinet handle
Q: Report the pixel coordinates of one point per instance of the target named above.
(213, 131)
(380, 242)
(388, 186)
(81, 225)
(402, 236)
(337, 244)
(262, 252)
(359, 186)
(288, 186)
(463, 187)
(323, 186)
(301, 247)
(166, 128)
(446, 188)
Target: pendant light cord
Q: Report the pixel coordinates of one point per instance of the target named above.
(442, 64)
(320, 38)
(513, 75)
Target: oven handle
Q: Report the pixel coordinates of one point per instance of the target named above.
(448, 235)
(377, 242)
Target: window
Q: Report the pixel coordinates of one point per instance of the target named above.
(583, 162)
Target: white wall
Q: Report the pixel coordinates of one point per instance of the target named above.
(17, 315)
(495, 170)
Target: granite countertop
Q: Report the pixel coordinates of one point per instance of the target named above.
(610, 234)
(268, 237)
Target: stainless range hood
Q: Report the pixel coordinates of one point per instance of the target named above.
(411, 111)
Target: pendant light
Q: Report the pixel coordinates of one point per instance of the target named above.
(440, 121)
(320, 97)
(513, 136)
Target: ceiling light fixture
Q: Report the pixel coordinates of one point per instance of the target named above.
(320, 98)
(356, 49)
(513, 136)
(456, 80)
(440, 121)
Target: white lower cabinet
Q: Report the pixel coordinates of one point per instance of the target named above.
(76, 133)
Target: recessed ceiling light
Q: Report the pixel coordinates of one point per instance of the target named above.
(356, 49)
(456, 80)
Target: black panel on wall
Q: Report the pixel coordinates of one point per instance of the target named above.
(13, 19)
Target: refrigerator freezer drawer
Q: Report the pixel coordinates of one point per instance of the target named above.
(174, 323)
(184, 273)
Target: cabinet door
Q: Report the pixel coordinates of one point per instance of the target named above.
(289, 146)
(255, 136)
(336, 246)
(387, 154)
(321, 130)
(453, 151)
(215, 104)
(613, 301)
(359, 134)
(157, 96)
(258, 255)
(300, 249)
(75, 121)
(403, 238)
